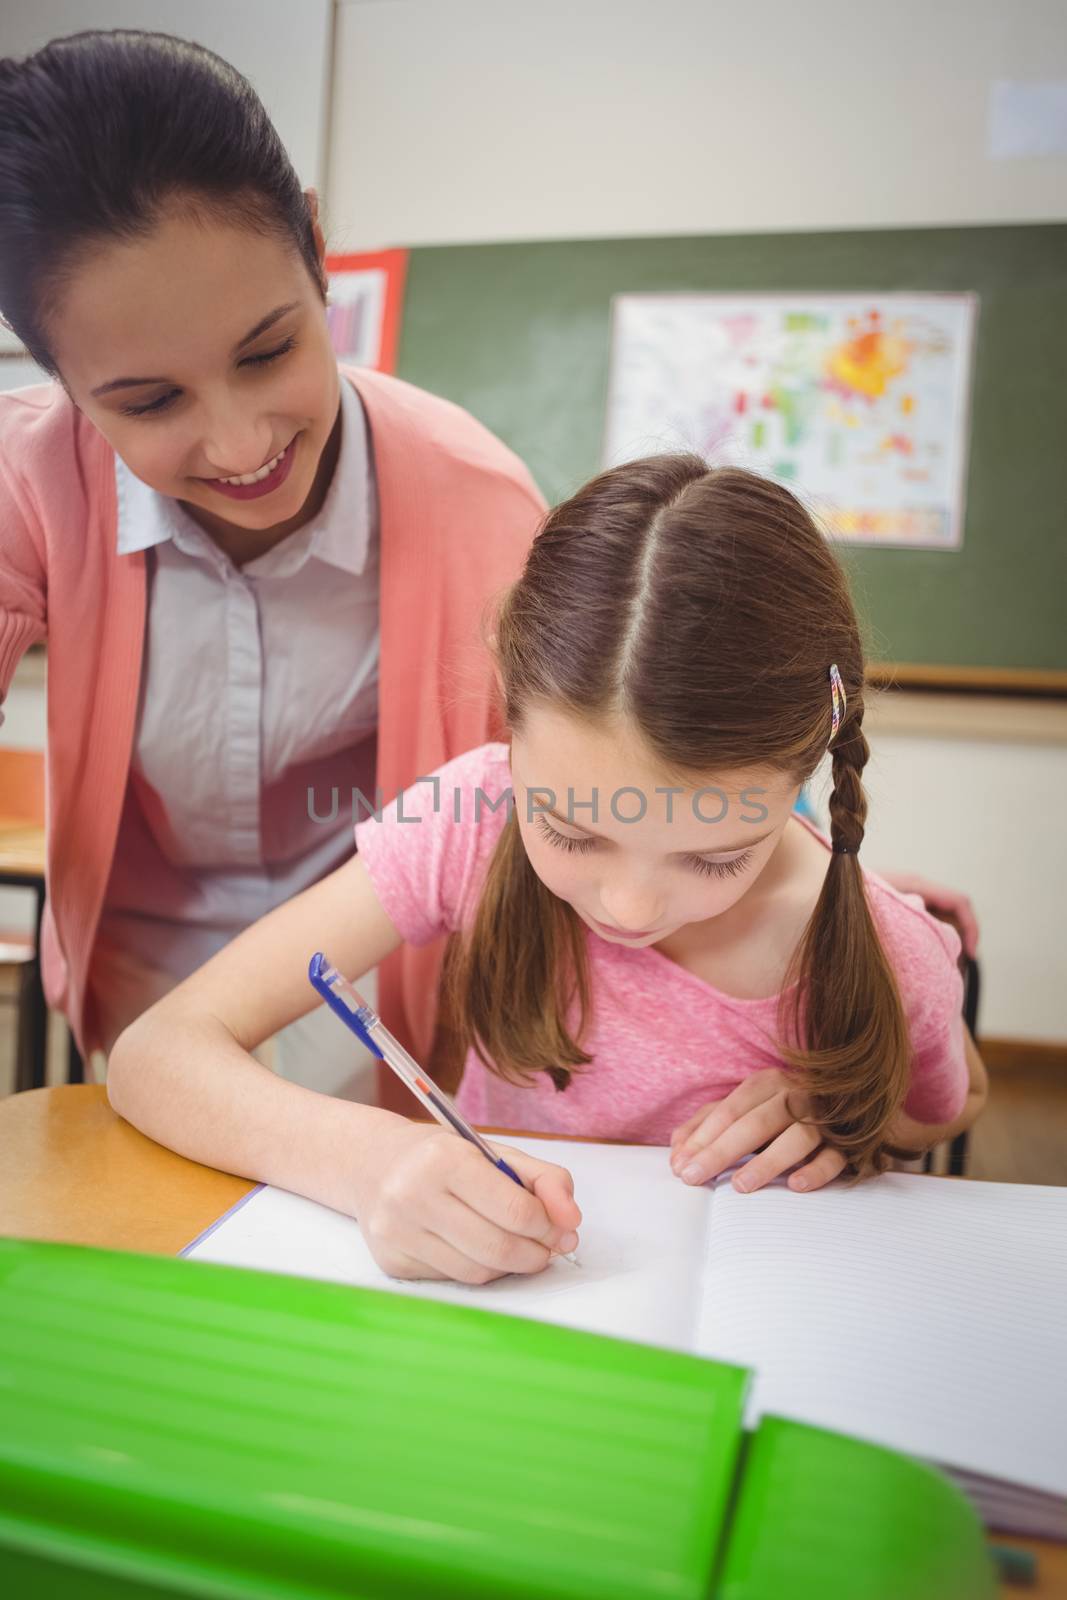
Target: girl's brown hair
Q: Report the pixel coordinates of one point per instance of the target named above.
(705, 608)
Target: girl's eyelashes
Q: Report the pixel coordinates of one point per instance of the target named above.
(721, 869)
(708, 869)
(560, 840)
(165, 401)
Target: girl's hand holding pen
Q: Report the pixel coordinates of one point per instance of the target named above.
(430, 1206)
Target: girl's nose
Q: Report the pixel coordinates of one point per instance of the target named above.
(632, 908)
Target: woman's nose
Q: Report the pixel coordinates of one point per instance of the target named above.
(233, 448)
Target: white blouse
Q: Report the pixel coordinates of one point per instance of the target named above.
(257, 717)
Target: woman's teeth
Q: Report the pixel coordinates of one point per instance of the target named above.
(257, 477)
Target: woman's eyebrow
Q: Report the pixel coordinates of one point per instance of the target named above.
(261, 327)
(264, 323)
(719, 850)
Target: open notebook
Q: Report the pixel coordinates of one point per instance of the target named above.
(919, 1313)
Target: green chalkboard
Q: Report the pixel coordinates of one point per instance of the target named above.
(520, 333)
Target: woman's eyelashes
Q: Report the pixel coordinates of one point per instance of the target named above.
(165, 401)
(701, 864)
(162, 404)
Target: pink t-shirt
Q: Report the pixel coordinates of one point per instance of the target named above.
(663, 1041)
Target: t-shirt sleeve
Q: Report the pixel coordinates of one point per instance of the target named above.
(924, 953)
(428, 854)
(22, 581)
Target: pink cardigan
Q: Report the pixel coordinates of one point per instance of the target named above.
(458, 512)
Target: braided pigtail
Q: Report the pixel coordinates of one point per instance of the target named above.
(854, 1060)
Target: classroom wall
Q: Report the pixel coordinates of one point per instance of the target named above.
(460, 121)
(970, 797)
(283, 47)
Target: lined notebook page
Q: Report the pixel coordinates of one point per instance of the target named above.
(643, 1239)
(923, 1314)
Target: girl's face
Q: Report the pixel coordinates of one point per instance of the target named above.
(688, 855)
(201, 353)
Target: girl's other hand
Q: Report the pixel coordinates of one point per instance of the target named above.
(431, 1206)
(756, 1116)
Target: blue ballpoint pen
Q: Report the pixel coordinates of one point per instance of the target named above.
(348, 1004)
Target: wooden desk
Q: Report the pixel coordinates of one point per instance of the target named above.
(73, 1171)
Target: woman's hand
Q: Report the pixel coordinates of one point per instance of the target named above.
(951, 905)
(431, 1206)
(755, 1116)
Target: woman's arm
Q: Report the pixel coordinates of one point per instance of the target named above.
(430, 1204)
(23, 583)
(908, 1134)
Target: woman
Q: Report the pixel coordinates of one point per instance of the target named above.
(260, 576)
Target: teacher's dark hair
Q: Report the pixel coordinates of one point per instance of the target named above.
(100, 133)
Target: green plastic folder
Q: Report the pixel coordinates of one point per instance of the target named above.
(169, 1428)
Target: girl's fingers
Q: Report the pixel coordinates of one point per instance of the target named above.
(552, 1185)
(440, 1259)
(790, 1147)
(484, 1244)
(417, 1252)
(682, 1132)
(827, 1165)
(712, 1124)
(512, 1207)
(396, 1263)
(749, 1133)
(712, 1121)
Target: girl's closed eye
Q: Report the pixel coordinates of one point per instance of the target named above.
(165, 401)
(728, 868)
(561, 840)
(721, 869)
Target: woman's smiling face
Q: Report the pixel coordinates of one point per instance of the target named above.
(692, 855)
(201, 352)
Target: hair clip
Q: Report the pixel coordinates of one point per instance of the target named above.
(838, 701)
(844, 850)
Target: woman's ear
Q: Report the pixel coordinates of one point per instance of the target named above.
(311, 195)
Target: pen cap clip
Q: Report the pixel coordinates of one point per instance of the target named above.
(342, 999)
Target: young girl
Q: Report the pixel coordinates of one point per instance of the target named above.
(654, 947)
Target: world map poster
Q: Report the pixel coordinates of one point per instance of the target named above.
(860, 402)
